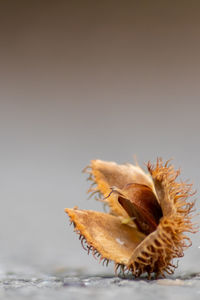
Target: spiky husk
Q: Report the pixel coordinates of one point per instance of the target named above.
(155, 253)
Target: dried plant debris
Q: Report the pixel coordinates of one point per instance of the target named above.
(149, 214)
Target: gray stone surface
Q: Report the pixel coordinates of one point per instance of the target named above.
(77, 285)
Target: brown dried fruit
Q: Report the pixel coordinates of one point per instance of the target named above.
(149, 213)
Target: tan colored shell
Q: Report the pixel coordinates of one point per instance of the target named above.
(115, 236)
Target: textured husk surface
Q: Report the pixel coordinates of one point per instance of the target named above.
(115, 236)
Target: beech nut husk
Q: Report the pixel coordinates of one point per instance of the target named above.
(149, 214)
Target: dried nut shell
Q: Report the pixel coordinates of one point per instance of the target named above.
(149, 215)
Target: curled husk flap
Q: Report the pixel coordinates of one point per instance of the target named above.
(149, 214)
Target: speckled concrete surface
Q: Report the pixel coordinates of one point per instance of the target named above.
(71, 285)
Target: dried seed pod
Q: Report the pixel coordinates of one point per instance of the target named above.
(149, 215)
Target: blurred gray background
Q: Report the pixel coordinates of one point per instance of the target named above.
(81, 80)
